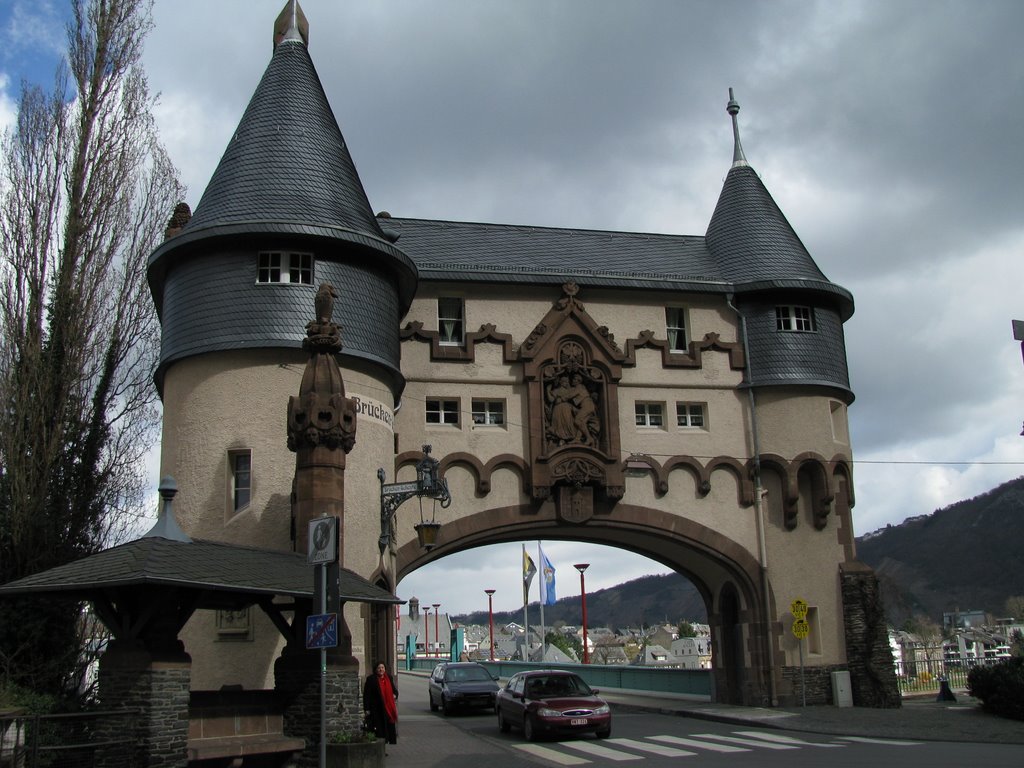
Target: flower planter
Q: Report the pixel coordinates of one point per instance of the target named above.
(364, 754)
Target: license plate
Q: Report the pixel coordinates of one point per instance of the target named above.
(578, 721)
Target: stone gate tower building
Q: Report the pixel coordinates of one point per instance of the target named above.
(681, 396)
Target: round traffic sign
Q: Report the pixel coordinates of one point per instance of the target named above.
(801, 629)
(798, 608)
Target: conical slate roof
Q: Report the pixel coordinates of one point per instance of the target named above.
(750, 238)
(287, 162)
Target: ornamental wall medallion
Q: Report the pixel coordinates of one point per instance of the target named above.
(572, 367)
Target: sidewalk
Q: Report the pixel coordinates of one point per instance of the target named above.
(919, 719)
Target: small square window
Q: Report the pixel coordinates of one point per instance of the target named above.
(285, 267)
(450, 321)
(675, 327)
(690, 415)
(650, 414)
(489, 412)
(796, 319)
(240, 463)
(443, 412)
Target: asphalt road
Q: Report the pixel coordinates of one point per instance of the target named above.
(646, 740)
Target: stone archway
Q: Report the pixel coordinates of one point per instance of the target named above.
(724, 573)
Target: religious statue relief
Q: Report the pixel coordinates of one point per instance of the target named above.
(571, 395)
(572, 368)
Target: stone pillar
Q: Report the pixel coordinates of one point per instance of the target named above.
(297, 684)
(156, 684)
(872, 671)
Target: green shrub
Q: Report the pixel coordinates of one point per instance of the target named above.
(1000, 687)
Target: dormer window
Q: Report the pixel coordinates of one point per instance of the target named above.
(450, 321)
(797, 319)
(285, 267)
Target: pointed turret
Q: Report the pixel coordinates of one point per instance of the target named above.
(749, 236)
(285, 188)
(756, 250)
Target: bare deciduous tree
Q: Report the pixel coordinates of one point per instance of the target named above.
(85, 189)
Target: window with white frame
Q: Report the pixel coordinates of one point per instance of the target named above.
(675, 326)
(488, 412)
(792, 318)
(240, 466)
(650, 414)
(690, 415)
(450, 320)
(285, 267)
(442, 411)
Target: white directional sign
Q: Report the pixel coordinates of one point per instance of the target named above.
(323, 540)
(410, 487)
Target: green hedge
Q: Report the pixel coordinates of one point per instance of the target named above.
(1000, 687)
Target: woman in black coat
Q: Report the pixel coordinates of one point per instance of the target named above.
(380, 703)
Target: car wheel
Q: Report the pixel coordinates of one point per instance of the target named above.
(605, 733)
(445, 706)
(433, 706)
(529, 729)
(503, 725)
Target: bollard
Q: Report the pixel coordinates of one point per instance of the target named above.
(945, 693)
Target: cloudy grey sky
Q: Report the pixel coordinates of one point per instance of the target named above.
(887, 130)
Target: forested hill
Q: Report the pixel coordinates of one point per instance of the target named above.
(647, 600)
(968, 556)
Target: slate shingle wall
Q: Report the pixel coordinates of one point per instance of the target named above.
(785, 357)
(213, 303)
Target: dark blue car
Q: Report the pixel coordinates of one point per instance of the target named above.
(461, 685)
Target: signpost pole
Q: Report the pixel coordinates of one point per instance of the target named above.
(803, 684)
(800, 631)
(323, 672)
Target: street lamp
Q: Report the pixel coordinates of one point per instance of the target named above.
(427, 484)
(437, 634)
(581, 567)
(426, 627)
(490, 617)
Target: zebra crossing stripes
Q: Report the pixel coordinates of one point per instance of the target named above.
(552, 755)
(745, 742)
(654, 749)
(664, 745)
(711, 747)
(597, 750)
(783, 739)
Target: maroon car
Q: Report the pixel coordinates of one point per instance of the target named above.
(552, 702)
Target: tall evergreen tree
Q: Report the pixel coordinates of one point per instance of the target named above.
(85, 190)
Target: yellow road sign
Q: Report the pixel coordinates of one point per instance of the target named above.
(798, 608)
(801, 629)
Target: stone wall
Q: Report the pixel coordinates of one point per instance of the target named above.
(818, 682)
(159, 689)
(297, 685)
(872, 671)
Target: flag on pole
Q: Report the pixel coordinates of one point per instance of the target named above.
(547, 580)
(529, 571)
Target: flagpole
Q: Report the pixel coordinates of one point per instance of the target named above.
(526, 616)
(542, 585)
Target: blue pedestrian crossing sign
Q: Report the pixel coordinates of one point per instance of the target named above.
(322, 630)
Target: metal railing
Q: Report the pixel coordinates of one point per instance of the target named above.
(926, 675)
(80, 740)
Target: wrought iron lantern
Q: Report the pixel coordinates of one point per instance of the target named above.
(427, 485)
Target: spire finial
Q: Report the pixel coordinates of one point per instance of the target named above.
(166, 525)
(291, 25)
(733, 108)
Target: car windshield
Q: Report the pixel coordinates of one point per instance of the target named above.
(556, 685)
(467, 675)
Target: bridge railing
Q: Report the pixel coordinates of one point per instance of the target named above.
(695, 683)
